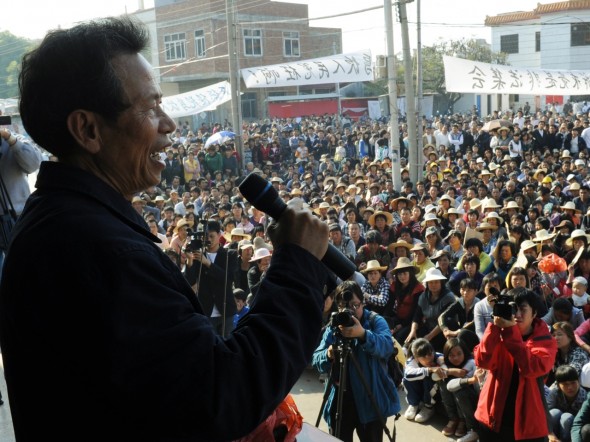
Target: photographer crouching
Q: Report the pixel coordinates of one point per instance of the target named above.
(361, 340)
(518, 351)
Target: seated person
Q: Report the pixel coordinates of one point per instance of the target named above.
(458, 320)
(423, 369)
(564, 400)
(563, 310)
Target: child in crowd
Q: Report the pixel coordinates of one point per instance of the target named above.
(240, 298)
(421, 373)
(460, 404)
(580, 298)
(564, 401)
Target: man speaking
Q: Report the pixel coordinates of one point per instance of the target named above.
(102, 337)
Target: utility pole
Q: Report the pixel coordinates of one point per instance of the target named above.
(413, 154)
(234, 80)
(419, 110)
(393, 111)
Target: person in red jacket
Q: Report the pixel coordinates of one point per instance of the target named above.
(517, 353)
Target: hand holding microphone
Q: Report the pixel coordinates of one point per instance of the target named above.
(295, 227)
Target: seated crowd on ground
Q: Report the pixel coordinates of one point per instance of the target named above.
(492, 212)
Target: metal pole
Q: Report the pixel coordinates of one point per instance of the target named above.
(419, 111)
(413, 153)
(234, 80)
(393, 111)
(334, 49)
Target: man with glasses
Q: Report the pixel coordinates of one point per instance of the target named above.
(369, 339)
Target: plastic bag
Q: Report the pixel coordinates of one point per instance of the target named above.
(552, 264)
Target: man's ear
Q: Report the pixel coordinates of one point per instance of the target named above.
(84, 128)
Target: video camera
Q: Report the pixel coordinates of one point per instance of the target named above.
(504, 307)
(343, 317)
(197, 240)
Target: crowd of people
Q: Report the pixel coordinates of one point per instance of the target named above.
(492, 204)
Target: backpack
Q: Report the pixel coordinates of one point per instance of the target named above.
(395, 369)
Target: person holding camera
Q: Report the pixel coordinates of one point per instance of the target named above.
(211, 274)
(518, 351)
(371, 344)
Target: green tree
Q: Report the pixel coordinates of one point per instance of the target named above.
(12, 49)
(433, 70)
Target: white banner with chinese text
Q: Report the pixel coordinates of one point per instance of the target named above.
(467, 76)
(341, 68)
(197, 101)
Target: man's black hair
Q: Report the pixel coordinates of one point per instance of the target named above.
(72, 69)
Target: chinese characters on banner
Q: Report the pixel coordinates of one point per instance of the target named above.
(341, 68)
(483, 78)
(197, 101)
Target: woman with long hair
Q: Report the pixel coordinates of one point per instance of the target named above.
(504, 257)
(404, 292)
(568, 350)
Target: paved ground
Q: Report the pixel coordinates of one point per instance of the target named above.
(308, 394)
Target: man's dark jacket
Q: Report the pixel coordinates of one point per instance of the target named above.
(103, 339)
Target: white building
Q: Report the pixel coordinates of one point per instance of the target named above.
(552, 36)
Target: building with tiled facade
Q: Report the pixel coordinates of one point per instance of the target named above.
(192, 46)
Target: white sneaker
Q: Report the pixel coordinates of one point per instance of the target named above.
(471, 436)
(424, 415)
(410, 413)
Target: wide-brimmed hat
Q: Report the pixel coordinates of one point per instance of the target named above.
(400, 243)
(528, 244)
(439, 254)
(404, 263)
(485, 172)
(328, 179)
(446, 198)
(433, 274)
(388, 217)
(474, 203)
(565, 223)
(431, 231)
(538, 171)
(574, 186)
(486, 226)
(259, 254)
(137, 199)
(430, 208)
(430, 217)
(565, 154)
(421, 246)
(493, 215)
(451, 211)
(512, 205)
(296, 192)
(373, 265)
(570, 205)
(394, 203)
(181, 223)
(503, 128)
(238, 231)
(323, 205)
(543, 235)
(259, 243)
(578, 233)
(245, 244)
(490, 203)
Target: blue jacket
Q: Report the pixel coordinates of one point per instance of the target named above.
(371, 356)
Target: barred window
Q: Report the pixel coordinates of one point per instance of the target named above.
(509, 44)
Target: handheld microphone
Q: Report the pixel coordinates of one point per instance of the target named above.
(265, 198)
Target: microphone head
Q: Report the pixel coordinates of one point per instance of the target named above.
(262, 195)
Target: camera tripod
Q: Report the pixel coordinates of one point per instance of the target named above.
(344, 351)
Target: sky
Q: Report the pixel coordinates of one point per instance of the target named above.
(451, 19)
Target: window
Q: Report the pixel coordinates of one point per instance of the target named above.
(200, 47)
(175, 46)
(538, 41)
(249, 105)
(291, 44)
(580, 34)
(509, 44)
(253, 42)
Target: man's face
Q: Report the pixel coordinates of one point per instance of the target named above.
(355, 304)
(175, 182)
(336, 236)
(213, 238)
(131, 146)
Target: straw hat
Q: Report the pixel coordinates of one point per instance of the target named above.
(181, 223)
(474, 203)
(485, 226)
(404, 263)
(493, 215)
(430, 217)
(528, 244)
(490, 203)
(543, 235)
(485, 172)
(137, 199)
(388, 217)
(439, 254)
(238, 231)
(296, 192)
(574, 186)
(578, 233)
(394, 203)
(373, 265)
(446, 198)
(451, 211)
(512, 205)
(245, 244)
(259, 243)
(420, 247)
(323, 205)
(570, 205)
(400, 243)
(433, 274)
(259, 254)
